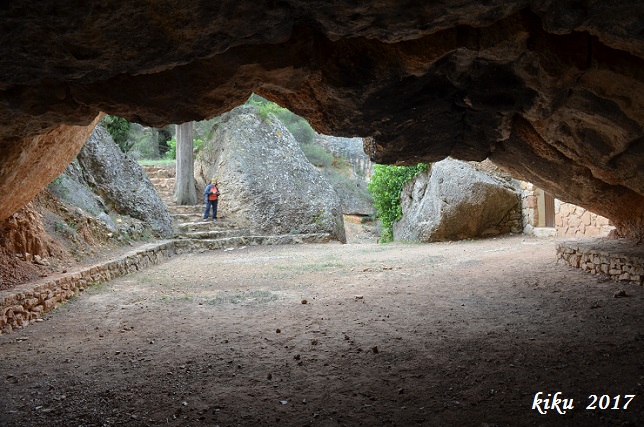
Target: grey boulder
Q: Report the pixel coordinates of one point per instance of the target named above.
(452, 201)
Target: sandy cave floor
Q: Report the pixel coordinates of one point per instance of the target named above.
(444, 334)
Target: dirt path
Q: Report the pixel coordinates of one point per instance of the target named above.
(437, 335)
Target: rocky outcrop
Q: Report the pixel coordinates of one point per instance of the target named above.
(452, 201)
(550, 90)
(266, 182)
(28, 164)
(350, 173)
(121, 183)
(349, 149)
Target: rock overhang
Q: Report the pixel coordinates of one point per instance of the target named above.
(548, 90)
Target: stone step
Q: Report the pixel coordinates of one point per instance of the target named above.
(213, 234)
(186, 209)
(186, 217)
(159, 171)
(203, 225)
(189, 245)
(162, 182)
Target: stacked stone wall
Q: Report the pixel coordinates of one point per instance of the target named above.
(26, 303)
(529, 210)
(615, 259)
(575, 221)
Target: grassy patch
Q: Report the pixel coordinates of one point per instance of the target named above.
(156, 162)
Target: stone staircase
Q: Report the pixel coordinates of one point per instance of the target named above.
(192, 232)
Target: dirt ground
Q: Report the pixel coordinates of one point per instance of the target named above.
(448, 334)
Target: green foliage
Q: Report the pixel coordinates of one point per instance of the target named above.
(296, 125)
(171, 154)
(385, 187)
(317, 155)
(265, 107)
(299, 128)
(163, 136)
(155, 162)
(119, 129)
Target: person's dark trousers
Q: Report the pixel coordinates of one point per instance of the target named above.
(210, 203)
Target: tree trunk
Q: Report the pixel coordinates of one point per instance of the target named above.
(184, 187)
(154, 138)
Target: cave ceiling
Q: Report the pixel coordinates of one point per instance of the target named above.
(549, 90)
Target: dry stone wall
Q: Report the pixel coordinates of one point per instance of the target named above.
(619, 260)
(529, 210)
(27, 303)
(575, 221)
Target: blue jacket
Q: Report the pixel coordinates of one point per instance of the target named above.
(207, 191)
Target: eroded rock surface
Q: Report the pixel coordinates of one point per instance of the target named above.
(266, 182)
(550, 90)
(452, 201)
(122, 184)
(349, 182)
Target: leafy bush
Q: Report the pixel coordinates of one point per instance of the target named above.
(296, 125)
(119, 129)
(172, 147)
(317, 155)
(265, 107)
(301, 130)
(385, 187)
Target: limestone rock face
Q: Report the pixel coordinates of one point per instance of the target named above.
(121, 182)
(550, 90)
(352, 187)
(452, 201)
(350, 149)
(31, 163)
(266, 182)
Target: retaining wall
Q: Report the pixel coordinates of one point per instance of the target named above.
(575, 221)
(26, 303)
(619, 260)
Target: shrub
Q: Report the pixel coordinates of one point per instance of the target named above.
(171, 154)
(301, 130)
(317, 155)
(385, 187)
(119, 129)
(296, 125)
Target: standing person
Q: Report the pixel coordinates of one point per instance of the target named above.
(211, 194)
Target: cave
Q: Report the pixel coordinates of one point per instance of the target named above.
(550, 91)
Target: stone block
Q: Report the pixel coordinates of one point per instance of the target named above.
(586, 217)
(49, 304)
(31, 302)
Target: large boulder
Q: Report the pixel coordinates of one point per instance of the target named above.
(454, 200)
(121, 183)
(266, 182)
(549, 90)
